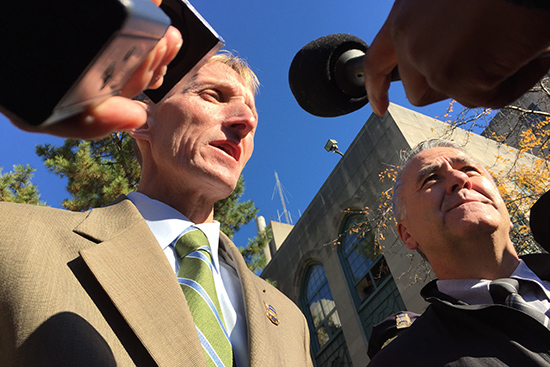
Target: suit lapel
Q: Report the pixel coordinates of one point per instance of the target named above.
(134, 272)
(261, 349)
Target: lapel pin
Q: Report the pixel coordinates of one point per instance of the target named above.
(271, 314)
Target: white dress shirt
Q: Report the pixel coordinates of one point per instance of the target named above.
(476, 291)
(167, 224)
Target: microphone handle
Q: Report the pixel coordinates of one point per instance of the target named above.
(349, 73)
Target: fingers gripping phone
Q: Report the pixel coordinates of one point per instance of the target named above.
(59, 57)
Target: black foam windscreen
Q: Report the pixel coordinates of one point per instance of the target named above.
(312, 80)
(539, 221)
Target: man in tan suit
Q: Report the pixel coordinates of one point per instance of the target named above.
(100, 288)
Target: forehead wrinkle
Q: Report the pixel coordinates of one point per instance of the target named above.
(235, 87)
(191, 83)
(207, 80)
(427, 170)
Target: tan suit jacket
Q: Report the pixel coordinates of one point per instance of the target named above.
(95, 289)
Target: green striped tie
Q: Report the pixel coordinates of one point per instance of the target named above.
(197, 282)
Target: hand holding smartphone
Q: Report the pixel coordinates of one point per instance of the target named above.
(66, 60)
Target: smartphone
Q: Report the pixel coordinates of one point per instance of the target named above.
(200, 43)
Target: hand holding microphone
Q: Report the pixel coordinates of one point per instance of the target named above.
(481, 53)
(326, 76)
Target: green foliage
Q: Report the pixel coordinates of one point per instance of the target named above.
(16, 186)
(97, 171)
(253, 253)
(233, 214)
(272, 282)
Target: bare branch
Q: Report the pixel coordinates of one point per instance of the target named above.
(525, 110)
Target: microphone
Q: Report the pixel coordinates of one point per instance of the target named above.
(538, 221)
(326, 75)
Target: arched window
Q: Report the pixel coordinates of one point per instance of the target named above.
(322, 309)
(327, 340)
(366, 267)
(370, 281)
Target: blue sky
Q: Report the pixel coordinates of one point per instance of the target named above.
(289, 141)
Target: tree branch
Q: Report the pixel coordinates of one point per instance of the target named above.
(525, 110)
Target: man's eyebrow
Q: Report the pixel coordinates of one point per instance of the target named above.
(190, 84)
(429, 169)
(195, 82)
(425, 172)
(211, 82)
(467, 161)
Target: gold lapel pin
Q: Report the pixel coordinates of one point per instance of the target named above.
(271, 314)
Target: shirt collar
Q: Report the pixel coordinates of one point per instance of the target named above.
(525, 273)
(471, 291)
(476, 291)
(167, 223)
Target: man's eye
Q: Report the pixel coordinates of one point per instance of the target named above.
(469, 169)
(212, 94)
(430, 178)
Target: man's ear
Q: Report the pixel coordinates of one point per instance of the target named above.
(143, 132)
(406, 236)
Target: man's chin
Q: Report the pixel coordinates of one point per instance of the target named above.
(223, 185)
(473, 216)
(474, 228)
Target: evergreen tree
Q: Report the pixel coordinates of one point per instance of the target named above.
(16, 186)
(253, 253)
(97, 171)
(233, 214)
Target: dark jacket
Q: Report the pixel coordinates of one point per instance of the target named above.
(453, 333)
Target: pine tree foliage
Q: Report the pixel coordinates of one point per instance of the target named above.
(253, 253)
(233, 214)
(97, 171)
(16, 186)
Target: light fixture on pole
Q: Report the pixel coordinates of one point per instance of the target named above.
(332, 146)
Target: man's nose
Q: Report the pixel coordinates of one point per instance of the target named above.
(240, 117)
(457, 181)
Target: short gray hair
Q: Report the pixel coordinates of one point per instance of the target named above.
(399, 210)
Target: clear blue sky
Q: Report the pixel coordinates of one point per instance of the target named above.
(289, 140)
